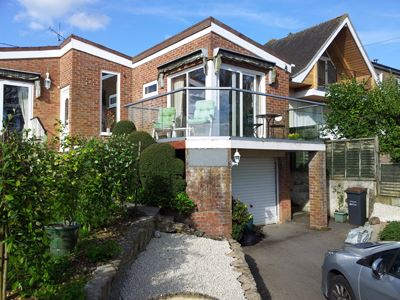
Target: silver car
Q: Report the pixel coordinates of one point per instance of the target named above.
(367, 271)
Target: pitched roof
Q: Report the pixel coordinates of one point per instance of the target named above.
(194, 29)
(385, 68)
(300, 48)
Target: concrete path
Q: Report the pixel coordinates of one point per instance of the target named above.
(287, 263)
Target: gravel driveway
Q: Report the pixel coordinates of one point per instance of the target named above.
(183, 263)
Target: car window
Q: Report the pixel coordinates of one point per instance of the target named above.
(387, 256)
(395, 269)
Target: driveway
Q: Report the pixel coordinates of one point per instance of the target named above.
(286, 264)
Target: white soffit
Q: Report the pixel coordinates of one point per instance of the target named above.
(346, 22)
(72, 44)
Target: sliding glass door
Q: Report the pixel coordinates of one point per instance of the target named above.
(238, 109)
(15, 105)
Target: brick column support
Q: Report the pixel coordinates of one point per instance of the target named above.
(317, 190)
(285, 183)
(208, 183)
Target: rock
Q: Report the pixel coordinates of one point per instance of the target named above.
(374, 220)
(180, 227)
(165, 224)
(157, 234)
(199, 233)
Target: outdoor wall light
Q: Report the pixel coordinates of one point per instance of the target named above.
(236, 158)
(47, 81)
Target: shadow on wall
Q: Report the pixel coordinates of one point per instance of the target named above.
(261, 287)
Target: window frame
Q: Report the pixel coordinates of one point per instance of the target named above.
(118, 105)
(154, 82)
(30, 87)
(326, 60)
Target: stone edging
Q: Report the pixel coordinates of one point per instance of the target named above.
(240, 265)
(107, 279)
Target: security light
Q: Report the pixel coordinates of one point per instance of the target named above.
(47, 81)
(236, 158)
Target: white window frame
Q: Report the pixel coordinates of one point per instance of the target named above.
(154, 82)
(118, 106)
(30, 87)
(326, 59)
(261, 88)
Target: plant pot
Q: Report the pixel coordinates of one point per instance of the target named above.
(340, 217)
(63, 238)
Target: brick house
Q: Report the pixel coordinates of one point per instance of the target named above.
(210, 91)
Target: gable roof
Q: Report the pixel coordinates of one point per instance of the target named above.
(208, 25)
(304, 48)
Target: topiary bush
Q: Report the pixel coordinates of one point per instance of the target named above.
(143, 137)
(391, 232)
(240, 218)
(161, 175)
(124, 127)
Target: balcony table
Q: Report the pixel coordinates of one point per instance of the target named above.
(268, 117)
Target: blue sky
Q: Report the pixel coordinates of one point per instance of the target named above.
(131, 26)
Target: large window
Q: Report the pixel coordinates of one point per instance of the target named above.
(185, 102)
(109, 101)
(16, 104)
(239, 110)
(326, 72)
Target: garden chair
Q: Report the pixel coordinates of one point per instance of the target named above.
(165, 121)
(204, 112)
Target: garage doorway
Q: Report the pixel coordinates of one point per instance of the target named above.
(254, 183)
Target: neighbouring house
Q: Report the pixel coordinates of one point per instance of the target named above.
(384, 72)
(210, 91)
(326, 53)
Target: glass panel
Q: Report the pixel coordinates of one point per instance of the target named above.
(197, 78)
(108, 101)
(331, 72)
(248, 106)
(178, 100)
(150, 89)
(229, 103)
(321, 73)
(15, 106)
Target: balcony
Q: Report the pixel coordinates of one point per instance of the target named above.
(226, 113)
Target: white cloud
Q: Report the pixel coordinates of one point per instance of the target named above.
(40, 14)
(87, 21)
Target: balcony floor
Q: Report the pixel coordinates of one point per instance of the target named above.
(224, 142)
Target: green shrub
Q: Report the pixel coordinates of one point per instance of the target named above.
(240, 218)
(143, 137)
(99, 251)
(123, 127)
(391, 232)
(72, 290)
(183, 204)
(161, 175)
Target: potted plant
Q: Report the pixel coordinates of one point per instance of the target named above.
(341, 212)
(64, 229)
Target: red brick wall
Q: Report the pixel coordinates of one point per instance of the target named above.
(47, 106)
(317, 188)
(285, 184)
(210, 188)
(86, 94)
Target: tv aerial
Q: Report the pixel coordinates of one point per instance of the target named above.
(60, 38)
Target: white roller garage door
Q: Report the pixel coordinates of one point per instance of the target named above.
(254, 183)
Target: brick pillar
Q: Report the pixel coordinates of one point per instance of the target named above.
(208, 183)
(317, 190)
(285, 205)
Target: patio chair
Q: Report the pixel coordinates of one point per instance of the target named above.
(165, 121)
(204, 112)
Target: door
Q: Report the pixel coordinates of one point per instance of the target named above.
(386, 287)
(254, 183)
(64, 111)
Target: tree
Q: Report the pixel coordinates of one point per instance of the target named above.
(356, 112)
